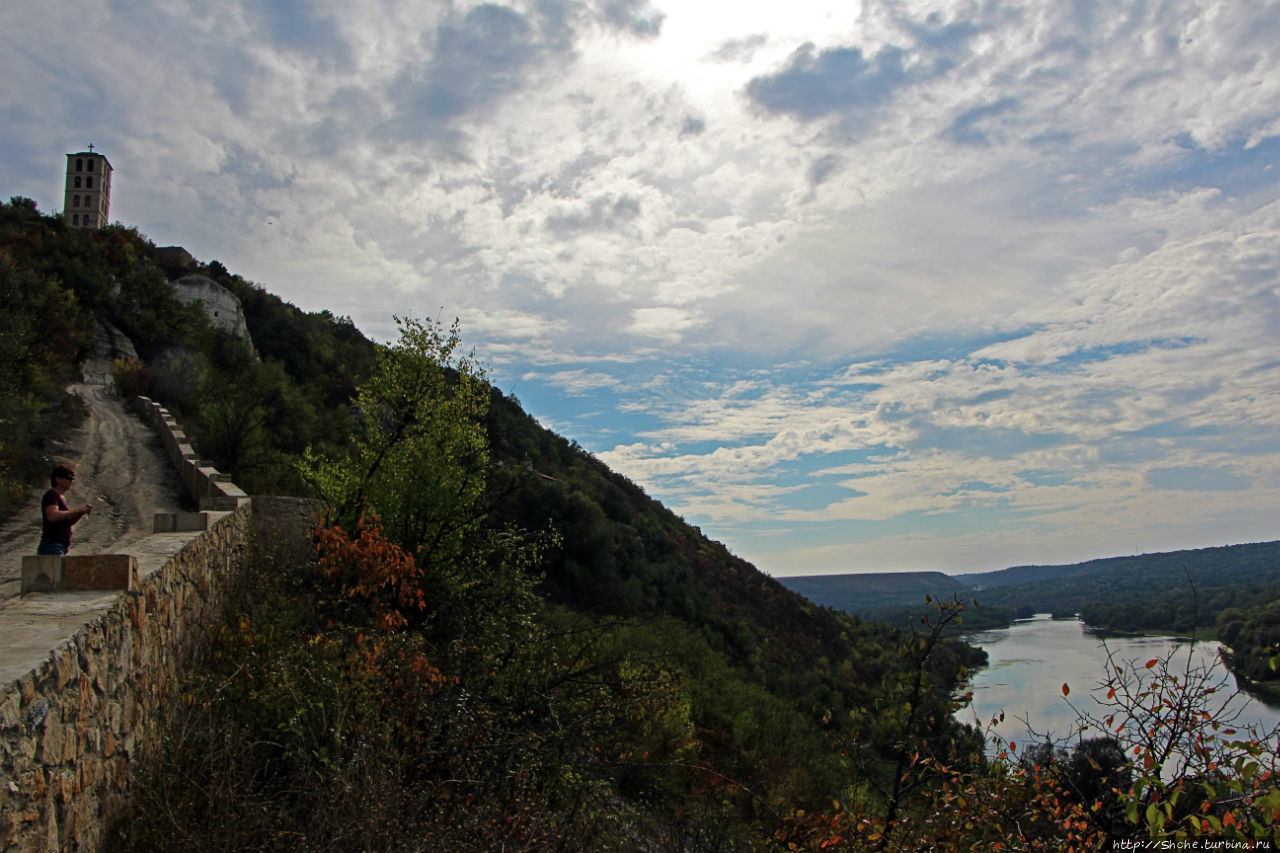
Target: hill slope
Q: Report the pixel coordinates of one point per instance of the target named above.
(865, 593)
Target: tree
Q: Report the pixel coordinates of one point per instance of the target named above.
(418, 461)
(419, 458)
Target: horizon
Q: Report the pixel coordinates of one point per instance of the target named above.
(1036, 565)
(889, 287)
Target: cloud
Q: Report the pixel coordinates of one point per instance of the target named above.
(578, 382)
(894, 274)
(968, 128)
(1196, 479)
(637, 17)
(823, 168)
(1028, 427)
(598, 214)
(303, 28)
(470, 62)
(667, 324)
(692, 126)
(739, 49)
(838, 80)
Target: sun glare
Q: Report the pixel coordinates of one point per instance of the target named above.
(710, 48)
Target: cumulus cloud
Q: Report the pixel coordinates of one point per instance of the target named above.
(1151, 363)
(839, 80)
(597, 214)
(667, 324)
(469, 62)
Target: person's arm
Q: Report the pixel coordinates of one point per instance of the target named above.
(53, 514)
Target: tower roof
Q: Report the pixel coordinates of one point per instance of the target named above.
(97, 154)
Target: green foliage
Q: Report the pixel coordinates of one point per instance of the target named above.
(419, 458)
(1166, 767)
(1092, 775)
(913, 716)
(978, 616)
(58, 282)
(43, 335)
(1252, 638)
(625, 555)
(22, 383)
(130, 378)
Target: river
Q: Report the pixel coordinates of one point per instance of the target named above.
(1031, 660)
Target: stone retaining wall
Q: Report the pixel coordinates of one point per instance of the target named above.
(77, 727)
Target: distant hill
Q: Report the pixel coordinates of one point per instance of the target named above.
(1173, 591)
(864, 593)
(1027, 574)
(1194, 559)
(1134, 582)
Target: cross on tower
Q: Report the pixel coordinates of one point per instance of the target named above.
(90, 147)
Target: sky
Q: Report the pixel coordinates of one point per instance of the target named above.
(852, 286)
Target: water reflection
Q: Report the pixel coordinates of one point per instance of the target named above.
(1030, 661)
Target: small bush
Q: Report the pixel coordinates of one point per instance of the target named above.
(131, 378)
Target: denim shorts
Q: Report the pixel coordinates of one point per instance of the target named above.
(51, 549)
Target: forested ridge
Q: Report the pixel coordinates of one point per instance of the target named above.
(1173, 591)
(494, 641)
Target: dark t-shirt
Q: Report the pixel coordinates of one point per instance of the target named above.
(54, 531)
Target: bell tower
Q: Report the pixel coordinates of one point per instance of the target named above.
(88, 194)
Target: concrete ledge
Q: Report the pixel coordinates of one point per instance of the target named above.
(223, 503)
(180, 522)
(79, 572)
(100, 571)
(41, 574)
(205, 477)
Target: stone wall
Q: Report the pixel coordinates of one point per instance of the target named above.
(76, 727)
(210, 488)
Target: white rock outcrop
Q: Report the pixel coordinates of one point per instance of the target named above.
(219, 304)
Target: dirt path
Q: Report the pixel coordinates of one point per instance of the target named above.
(120, 469)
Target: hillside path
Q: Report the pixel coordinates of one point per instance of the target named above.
(120, 469)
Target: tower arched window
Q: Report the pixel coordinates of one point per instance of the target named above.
(75, 219)
(78, 179)
(88, 183)
(75, 201)
(79, 164)
(89, 165)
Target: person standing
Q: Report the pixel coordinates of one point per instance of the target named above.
(56, 516)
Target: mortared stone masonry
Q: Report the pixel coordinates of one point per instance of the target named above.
(93, 653)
